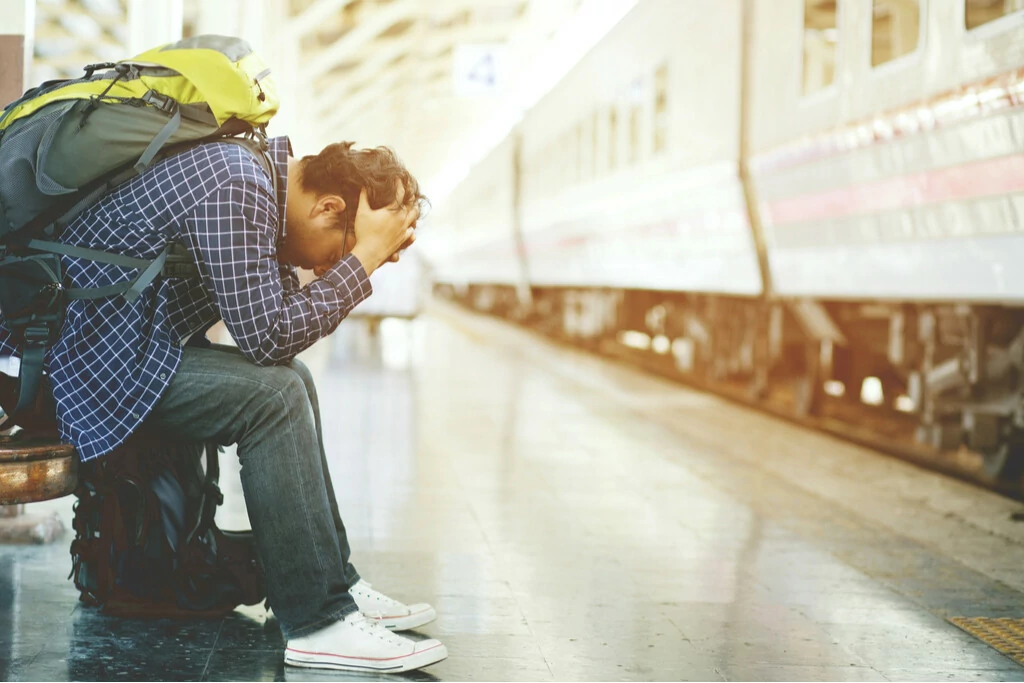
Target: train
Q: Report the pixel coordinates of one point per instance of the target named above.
(817, 204)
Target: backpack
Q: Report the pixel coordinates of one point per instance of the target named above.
(146, 545)
(67, 143)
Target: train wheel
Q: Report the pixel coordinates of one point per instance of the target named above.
(757, 388)
(1005, 462)
(808, 391)
(806, 396)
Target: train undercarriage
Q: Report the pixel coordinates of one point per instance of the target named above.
(942, 384)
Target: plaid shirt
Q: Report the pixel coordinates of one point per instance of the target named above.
(115, 358)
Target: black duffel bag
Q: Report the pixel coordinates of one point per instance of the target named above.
(146, 545)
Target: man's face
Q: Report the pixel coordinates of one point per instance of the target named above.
(317, 237)
(317, 242)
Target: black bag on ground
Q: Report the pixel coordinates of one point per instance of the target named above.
(146, 545)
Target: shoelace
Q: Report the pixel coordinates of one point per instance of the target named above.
(366, 591)
(374, 627)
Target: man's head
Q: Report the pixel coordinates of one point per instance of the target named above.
(323, 196)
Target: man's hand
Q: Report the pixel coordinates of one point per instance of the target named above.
(381, 233)
(405, 245)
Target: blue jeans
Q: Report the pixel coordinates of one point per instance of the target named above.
(273, 415)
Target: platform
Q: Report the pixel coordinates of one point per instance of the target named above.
(573, 519)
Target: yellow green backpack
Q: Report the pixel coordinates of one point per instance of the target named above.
(65, 144)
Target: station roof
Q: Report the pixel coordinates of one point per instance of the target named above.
(418, 75)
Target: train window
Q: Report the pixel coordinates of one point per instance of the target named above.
(556, 165)
(586, 151)
(570, 159)
(895, 29)
(561, 160)
(635, 115)
(553, 170)
(613, 138)
(546, 175)
(820, 35)
(634, 134)
(561, 165)
(580, 153)
(661, 109)
(978, 12)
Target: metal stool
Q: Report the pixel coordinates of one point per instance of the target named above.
(33, 468)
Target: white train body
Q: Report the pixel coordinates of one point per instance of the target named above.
(810, 196)
(644, 203)
(901, 181)
(476, 225)
(897, 182)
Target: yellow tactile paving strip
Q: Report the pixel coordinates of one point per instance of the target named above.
(1005, 635)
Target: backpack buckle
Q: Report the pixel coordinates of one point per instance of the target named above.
(36, 334)
(165, 104)
(180, 269)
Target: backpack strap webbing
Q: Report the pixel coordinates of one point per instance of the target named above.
(131, 289)
(31, 375)
(37, 337)
(210, 493)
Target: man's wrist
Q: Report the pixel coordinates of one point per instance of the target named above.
(367, 258)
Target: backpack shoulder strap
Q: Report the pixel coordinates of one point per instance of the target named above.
(259, 148)
(131, 289)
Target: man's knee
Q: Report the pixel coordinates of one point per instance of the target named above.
(281, 383)
(305, 375)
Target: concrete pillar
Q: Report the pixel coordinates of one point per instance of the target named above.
(17, 27)
(152, 23)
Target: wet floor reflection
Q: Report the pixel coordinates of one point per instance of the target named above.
(8, 618)
(570, 521)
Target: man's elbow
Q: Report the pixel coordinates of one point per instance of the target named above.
(265, 355)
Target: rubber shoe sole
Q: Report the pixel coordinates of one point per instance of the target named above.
(405, 622)
(326, 660)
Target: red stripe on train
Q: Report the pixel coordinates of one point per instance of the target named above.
(1003, 175)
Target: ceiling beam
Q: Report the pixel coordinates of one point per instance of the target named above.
(429, 41)
(342, 88)
(346, 96)
(381, 101)
(368, 98)
(374, 24)
(312, 17)
(389, 119)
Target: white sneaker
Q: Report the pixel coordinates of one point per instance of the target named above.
(361, 644)
(392, 614)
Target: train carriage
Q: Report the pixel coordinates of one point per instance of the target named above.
(816, 201)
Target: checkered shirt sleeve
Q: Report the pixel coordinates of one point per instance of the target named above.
(233, 233)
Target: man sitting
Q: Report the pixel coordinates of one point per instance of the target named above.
(121, 364)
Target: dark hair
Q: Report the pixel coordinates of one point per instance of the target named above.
(339, 169)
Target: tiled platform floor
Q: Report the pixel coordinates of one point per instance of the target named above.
(575, 520)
